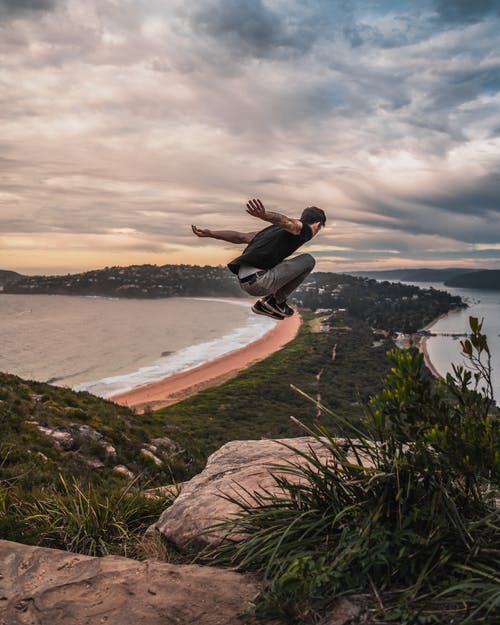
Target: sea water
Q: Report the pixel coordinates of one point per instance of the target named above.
(445, 350)
(109, 346)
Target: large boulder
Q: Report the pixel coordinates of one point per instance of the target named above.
(41, 586)
(236, 469)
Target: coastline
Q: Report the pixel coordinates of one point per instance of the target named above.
(185, 384)
(422, 348)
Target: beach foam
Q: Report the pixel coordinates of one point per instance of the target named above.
(184, 359)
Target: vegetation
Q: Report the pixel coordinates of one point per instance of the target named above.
(384, 305)
(137, 281)
(416, 275)
(8, 276)
(92, 522)
(395, 307)
(88, 521)
(405, 514)
(488, 279)
(39, 473)
(60, 449)
(259, 401)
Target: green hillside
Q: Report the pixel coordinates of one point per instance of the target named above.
(47, 430)
(489, 279)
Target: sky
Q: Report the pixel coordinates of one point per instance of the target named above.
(125, 121)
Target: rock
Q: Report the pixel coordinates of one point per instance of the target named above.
(41, 586)
(95, 463)
(61, 438)
(67, 438)
(108, 448)
(237, 468)
(87, 434)
(166, 443)
(121, 468)
(344, 613)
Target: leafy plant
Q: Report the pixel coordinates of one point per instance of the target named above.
(403, 512)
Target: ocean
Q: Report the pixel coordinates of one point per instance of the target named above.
(445, 350)
(108, 346)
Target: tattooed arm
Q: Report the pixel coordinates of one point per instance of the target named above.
(256, 209)
(231, 236)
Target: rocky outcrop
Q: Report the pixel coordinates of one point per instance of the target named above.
(236, 469)
(74, 435)
(41, 586)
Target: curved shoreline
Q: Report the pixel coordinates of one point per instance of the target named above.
(184, 384)
(422, 347)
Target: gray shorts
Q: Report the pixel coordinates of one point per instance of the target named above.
(282, 279)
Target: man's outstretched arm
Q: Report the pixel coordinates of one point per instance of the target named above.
(256, 209)
(231, 236)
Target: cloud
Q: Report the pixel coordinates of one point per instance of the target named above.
(11, 8)
(274, 29)
(245, 27)
(466, 10)
(138, 118)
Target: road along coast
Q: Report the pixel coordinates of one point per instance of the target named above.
(213, 373)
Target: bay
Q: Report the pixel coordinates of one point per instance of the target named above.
(108, 346)
(445, 350)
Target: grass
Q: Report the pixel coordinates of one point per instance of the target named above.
(259, 401)
(92, 522)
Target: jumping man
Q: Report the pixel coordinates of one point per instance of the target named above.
(262, 269)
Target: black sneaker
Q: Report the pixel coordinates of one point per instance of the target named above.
(258, 309)
(283, 309)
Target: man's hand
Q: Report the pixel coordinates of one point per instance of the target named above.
(201, 232)
(256, 209)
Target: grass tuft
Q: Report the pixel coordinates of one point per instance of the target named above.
(92, 522)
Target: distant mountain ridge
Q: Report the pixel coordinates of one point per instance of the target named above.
(422, 274)
(465, 277)
(488, 279)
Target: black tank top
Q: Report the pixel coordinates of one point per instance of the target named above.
(270, 246)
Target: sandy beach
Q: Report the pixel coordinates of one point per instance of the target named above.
(187, 383)
(422, 347)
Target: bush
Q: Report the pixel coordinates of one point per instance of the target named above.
(404, 512)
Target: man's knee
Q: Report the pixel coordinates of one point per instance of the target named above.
(309, 261)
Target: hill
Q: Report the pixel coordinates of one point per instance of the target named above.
(9, 276)
(416, 275)
(137, 281)
(47, 430)
(489, 279)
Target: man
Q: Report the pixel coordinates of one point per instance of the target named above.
(262, 269)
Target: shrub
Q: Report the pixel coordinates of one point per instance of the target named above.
(404, 511)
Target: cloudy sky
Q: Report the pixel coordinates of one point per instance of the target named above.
(124, 121)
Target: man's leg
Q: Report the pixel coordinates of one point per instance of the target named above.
(277, 284)
(283, 279)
